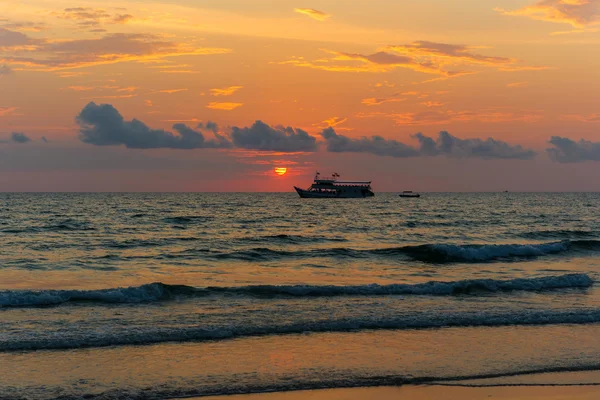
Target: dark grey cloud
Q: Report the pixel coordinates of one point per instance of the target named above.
(566, 150)
(446, 144)
(209, 126)
(374, 145)
(263, 137)
(19, 137)
(449, 145)
(103, 125)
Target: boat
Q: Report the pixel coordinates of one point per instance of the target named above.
(334, 188)
(409, 193)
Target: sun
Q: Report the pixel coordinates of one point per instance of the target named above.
(280, 171)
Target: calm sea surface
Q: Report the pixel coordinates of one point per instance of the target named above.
(150, 296)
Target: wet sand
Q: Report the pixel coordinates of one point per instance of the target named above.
(430, 393)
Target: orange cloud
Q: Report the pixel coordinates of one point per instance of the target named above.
(314, 14)
(81, 88)
(5, 111)
(128, 89)
(517, 84)
(228, 91)
(334, 121)
(170, 91)
(582, 118)
(94, 18)
(577, 13)
(55, 55)
(375, 101)
(443, 53)
(224, 106)
(447, 116)
(422, 56)
(524, 68)
(432, 104)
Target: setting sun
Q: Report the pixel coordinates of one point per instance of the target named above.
(280, 171)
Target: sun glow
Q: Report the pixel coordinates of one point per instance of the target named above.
(280, 171)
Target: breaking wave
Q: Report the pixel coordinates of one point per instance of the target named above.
(136, 336)
(159, 291)
(430, 253)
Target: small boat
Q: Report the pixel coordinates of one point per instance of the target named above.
(409, 193)
(333, 188)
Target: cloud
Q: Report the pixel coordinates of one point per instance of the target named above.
(443, 53)
(44, 55)
(432, 103)
(4, 111)
(19, 137)
(334, 121)
(81, 88)
(314, 14)
(103, 125)
(263, 137)
(5, 70)
(436, 117)
(209, 126)
(376, 101)
(582, 118)
(228, 91)
(375, 145)
(422, 56)
(87, 17)
(170, 91)
(224, 106)
(446, 144)
(23, 26)
(577, 13)
(566, 150)
(517, 84)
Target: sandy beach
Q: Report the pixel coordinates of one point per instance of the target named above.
(430, 393)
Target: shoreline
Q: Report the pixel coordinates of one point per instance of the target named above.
(427, 392)
(577, 385)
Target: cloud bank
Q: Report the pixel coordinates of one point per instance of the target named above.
(261, 136)
(445, 144)
(566, 150)
(103, 125)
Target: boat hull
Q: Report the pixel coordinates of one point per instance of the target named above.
(409, 195)
(307, 194)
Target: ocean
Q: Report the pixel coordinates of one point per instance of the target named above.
(150, 296)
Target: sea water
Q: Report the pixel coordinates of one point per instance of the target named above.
(164, 295)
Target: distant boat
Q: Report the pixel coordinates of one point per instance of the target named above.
(333, 188)
(409, 193)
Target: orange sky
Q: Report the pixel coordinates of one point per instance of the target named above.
(521, 72)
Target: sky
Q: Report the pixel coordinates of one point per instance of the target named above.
(222, 95)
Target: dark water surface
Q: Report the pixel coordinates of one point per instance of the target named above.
(154, 295)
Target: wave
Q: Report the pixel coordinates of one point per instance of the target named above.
(292, 239)
(187, 388)
(158, 291)
(429, 253)
(187, 219)
(559, 234)
(126, 336)
(68, 225)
